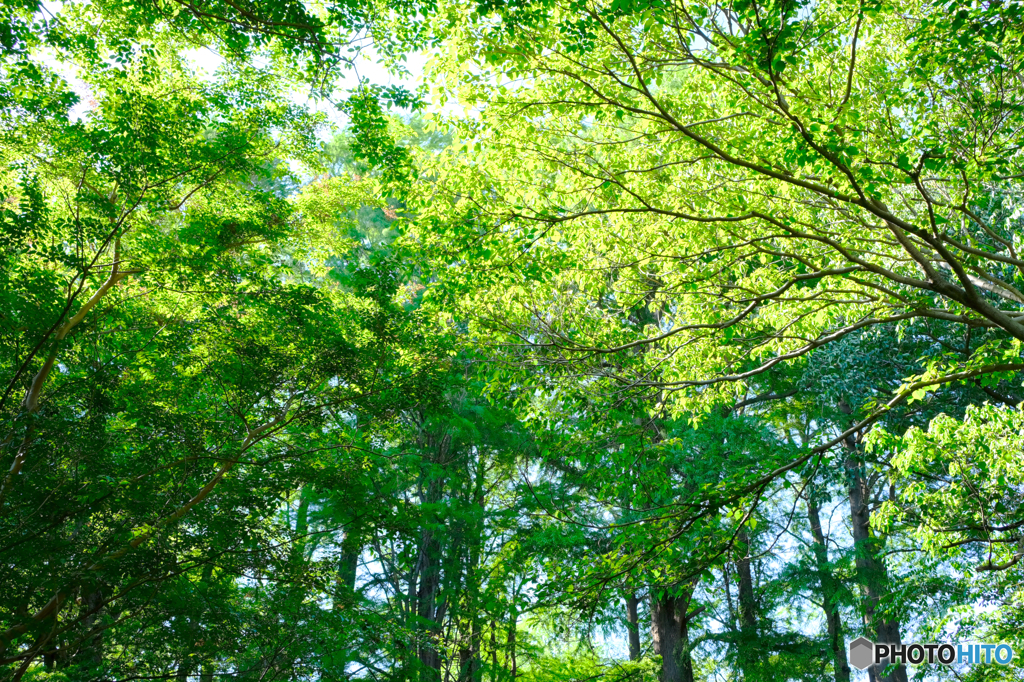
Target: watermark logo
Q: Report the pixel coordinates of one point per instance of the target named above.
(862, 653)
(865, 653)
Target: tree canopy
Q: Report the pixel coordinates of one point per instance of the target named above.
(631, 340)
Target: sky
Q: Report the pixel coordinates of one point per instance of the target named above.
(367, 66)
(206, 60)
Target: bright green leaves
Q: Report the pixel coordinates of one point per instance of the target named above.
(765, 165)
(375, 143)
(23, 214)
(28, 88)
(959, 480)
(775, 29)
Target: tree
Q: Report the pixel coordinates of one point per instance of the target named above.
(172, 357)
(773, 175)
(711, 312)
(766, 179)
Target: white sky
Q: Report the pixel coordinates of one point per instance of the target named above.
(206, 61)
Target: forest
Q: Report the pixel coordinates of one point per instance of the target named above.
(510, 340)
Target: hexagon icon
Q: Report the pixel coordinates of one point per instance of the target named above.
(862, 653)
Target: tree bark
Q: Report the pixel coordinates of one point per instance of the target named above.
(470, 668)
(829, 588)
(512, 646)
(429, 564)
(92, 648)
(188, 662)
(426, 597)
(670, 635)
(345, 580)
(348, 563)
(748, 651)
(494, 652)
(633, 626)
(665, 636)
(184, 670)
(871, 572)
(685, 660)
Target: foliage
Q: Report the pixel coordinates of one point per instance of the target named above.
(687, 346)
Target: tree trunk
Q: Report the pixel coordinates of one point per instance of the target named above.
(429, 563)
(633, 626)
(91, 650)
(297, 552)
(748, 651)
(871, 573)
(348, 566)
(476, 670)
(670, 635)
(494, 652)
(426, 597)
(829, 591)
(685, 660)
(665, 636)
(348, 563)
(469, 656)
(345, 581)
(512, 647)
(465, 663)
(188, 662)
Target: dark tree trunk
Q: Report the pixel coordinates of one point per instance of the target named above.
(465, 664)
(345, 581)
(476, 669)
(302, 520)
(685, 660)
(633, 626)
(426, 597)
(749, 650)
(871, 572)
(431, 614)
(512, 647)
(494, 652)
(91, 650)
(348, 566)
(470, 668)
(829, 591)
(665, 636)
(188, 662)
(95, 602)
(670, 635)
